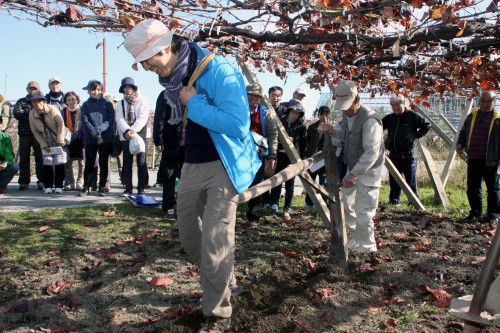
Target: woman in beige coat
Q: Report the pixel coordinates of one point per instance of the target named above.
(47, 126)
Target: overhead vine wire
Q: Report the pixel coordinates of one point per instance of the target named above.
(431, 45)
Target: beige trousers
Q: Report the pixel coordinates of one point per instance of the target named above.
(360, 204)
(206, 217)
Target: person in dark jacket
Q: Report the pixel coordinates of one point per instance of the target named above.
(315, 143)
(275, 96)
(27, 141)
(480, 137)
(263, 126)
(98, 121)
(404, 127)
(167, 139)
(293, 121)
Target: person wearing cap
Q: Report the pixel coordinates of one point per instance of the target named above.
(55, 95)
(132, 115)
(293, 121)
(48, 128)
(8, 168)
(220, 158)
(71, 115)
(98, 122)
(275, 96)
(299, 94)
(262, 125)
(27, 142)
(364, 156)
(404, 128)
(315, 143)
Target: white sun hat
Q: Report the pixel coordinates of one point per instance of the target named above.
(147, 39)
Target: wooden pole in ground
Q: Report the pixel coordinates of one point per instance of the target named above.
(415, 201)
(277, 179)
(436, 128)
(288, 146)
(433, 174)
(448, 124)
(338, 232)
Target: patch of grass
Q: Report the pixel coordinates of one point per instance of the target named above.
(261, 266)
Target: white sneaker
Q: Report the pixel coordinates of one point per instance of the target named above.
(79, 187)
(48, 190)
(59, 190)
(369, 249)
(352, 245)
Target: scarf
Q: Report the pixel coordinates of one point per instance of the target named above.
(173, 84)
(69, 120)
(131, 99)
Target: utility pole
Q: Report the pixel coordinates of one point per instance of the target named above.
(104, 63)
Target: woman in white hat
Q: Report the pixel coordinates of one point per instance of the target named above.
(47, 126)
(132, 114)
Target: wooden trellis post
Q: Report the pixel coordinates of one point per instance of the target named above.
(415, 201)
(289, 148)
(434, 175)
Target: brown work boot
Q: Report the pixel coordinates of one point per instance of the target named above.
(214, 324)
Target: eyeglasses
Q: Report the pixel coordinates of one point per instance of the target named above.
(486, 100)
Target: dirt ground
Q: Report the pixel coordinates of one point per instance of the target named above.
(143, 283)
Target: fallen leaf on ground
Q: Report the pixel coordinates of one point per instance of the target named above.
(366, 267)
(161, 281)
(390, 324)
(44, 228)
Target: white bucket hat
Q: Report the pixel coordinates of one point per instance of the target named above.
(345, 93)
(147, 39)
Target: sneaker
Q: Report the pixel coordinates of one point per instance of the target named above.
(251, 217)
(394, 202)
(236, 289)
(158, 185)
(214, 324)
(23, 187)
(472, 217)
(102, 191)
(48, 190)
(83, 192)
(67, 187)
(59, 190)
(274, 207)
(3, 191)
(491, 219)
(79, 187)
(352, 244)
(141, 191)
(170, 215)
(309, 207)
(41, 186)
(369, 249)
(127, 193)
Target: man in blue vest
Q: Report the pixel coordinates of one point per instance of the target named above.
(220, 156)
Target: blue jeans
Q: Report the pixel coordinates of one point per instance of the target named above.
(408, 168)
(477, 171)
(7, 174)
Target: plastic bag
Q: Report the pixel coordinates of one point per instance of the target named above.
(136, 145)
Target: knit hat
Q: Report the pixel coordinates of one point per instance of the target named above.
(147, 39)
(345, 93)
(128, 81)
(295, 105)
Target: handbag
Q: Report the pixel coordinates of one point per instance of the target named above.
(261, 143)
(67, 132)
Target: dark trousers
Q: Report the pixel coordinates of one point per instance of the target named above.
(7, 174)
(91, 151)
(128, 162)
(54, 175)
(26, 143)
(259, 177)
(281, 164)
(477, 171)
(408, 168)
(171, 169)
